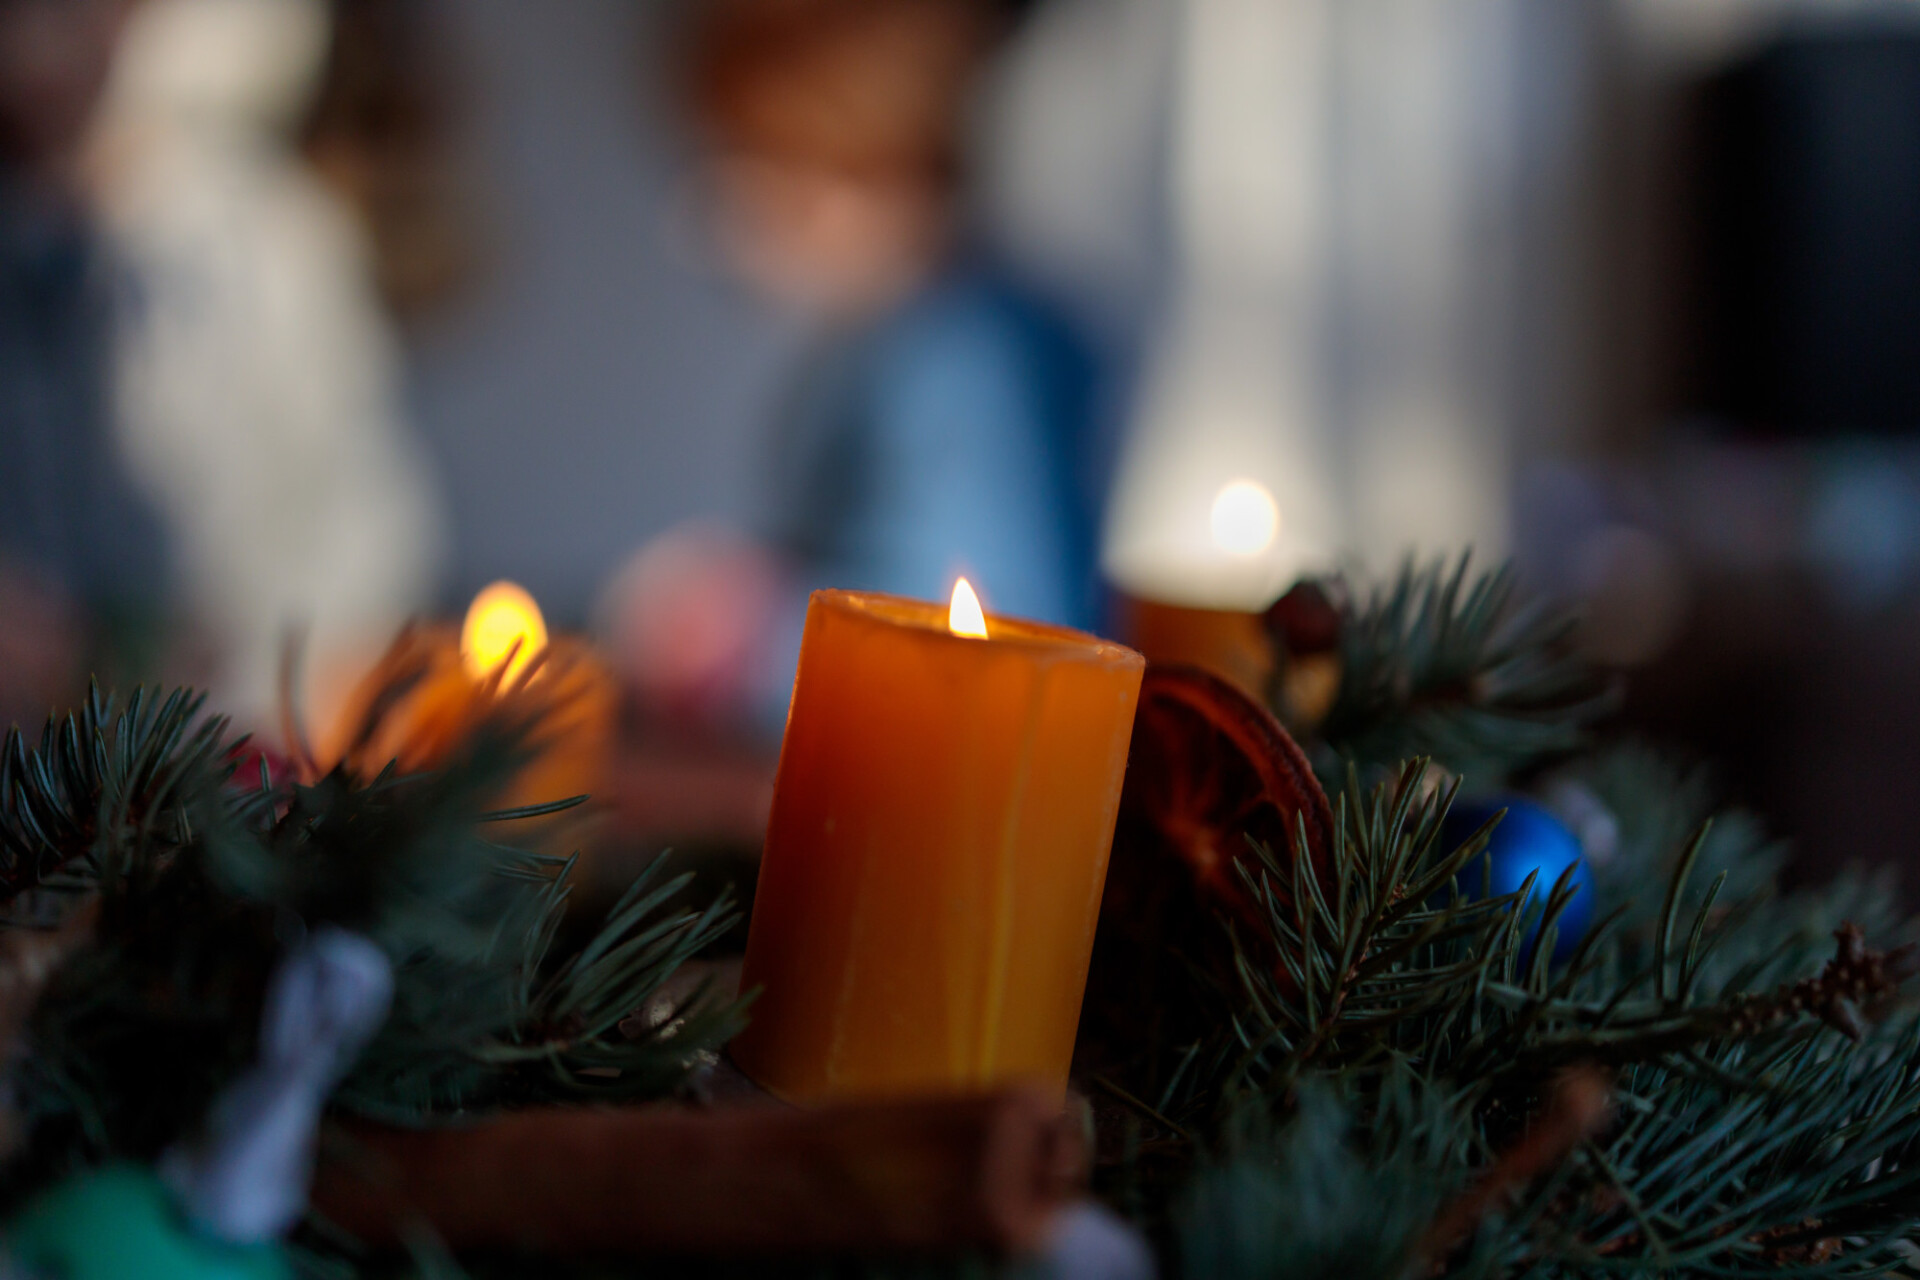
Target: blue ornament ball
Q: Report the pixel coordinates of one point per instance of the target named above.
(1528, 839)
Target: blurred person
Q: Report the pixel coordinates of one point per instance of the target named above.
(82, 565)
(260, 383)
(942, 424)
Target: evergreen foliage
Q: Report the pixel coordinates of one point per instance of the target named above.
(1393, 1078)
(1444, 665)
(200, 877)
(1765, 1105)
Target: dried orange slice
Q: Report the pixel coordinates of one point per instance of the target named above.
(1210, 770)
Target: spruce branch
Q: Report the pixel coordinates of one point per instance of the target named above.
(1590, 1012)
(1454, 666)
(1854, 984)
(1811, 1173)
(106, 791)
(1345, 1184)
(1384, 966)
(1644, 806)
(1387, 956)
(198, 882)
(1768, 1081)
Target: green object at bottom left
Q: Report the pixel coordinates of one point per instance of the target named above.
(120, 1223)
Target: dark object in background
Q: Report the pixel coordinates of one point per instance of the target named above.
(382, 132)
(1810, 234)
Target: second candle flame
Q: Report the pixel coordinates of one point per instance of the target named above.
(503, 626)
(964, 616)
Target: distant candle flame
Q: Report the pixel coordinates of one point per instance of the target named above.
(502, 616)
(1245, 518)
(964, 616)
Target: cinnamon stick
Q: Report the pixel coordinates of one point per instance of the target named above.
(981, 1173)
(1581, 1103)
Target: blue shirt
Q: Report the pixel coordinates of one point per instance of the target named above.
(947, 439)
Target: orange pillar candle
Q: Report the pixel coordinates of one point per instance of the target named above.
(934, 862)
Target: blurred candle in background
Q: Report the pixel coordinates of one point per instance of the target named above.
(937, 850)
(1210, 614)
(1228, 484)
(500, 652)
(503, 625)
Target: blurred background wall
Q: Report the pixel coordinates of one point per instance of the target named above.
(1625, 289)
(1760, 302)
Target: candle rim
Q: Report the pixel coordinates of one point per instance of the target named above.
(1004, 632)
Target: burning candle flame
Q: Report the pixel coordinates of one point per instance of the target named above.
(1245, 518)
(964, 616)
(502, 617)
